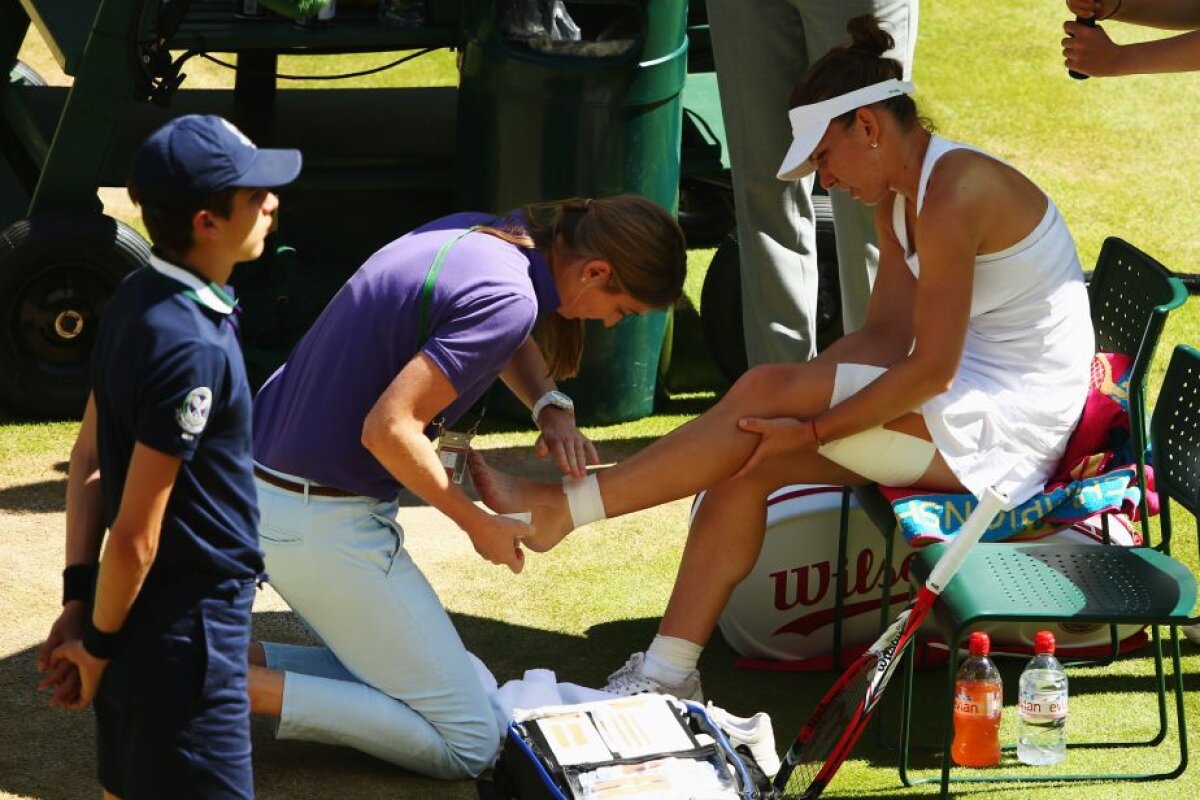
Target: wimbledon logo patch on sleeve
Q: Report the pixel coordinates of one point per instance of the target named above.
(192, 414)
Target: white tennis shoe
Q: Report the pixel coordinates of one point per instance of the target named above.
(630, 680)
(756, 733)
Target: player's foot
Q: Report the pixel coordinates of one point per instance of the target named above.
(550, 516)
(630, 680)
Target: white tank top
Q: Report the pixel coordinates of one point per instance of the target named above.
(1023, 379)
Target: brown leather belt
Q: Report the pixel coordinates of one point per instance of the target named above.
(299, 488)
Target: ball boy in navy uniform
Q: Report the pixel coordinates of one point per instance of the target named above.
(163, 461)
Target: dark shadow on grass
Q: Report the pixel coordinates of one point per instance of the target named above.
(43, 497)
(49, 754)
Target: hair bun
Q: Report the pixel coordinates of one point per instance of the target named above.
(866, 35)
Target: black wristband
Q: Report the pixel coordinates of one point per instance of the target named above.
(79, 582)
(98, 643)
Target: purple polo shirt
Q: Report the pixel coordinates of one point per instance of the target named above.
(308, 416)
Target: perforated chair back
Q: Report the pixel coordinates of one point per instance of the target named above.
(1175, 431)
(1130, 295)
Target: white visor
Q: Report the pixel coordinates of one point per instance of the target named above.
(810, 122)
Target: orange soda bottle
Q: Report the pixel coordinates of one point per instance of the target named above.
(978, 699)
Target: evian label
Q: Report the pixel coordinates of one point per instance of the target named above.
(1043, 706)
(978, 700)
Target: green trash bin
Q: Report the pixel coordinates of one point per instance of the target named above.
(541, 121)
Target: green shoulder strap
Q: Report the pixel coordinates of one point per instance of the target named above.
(431, 279)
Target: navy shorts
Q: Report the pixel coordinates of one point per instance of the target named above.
(172, 712)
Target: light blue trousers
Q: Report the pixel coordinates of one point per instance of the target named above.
(394, 679)
(762, 48)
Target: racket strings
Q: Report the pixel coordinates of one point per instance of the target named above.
(826, 728)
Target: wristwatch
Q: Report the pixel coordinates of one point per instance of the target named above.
(552, 398)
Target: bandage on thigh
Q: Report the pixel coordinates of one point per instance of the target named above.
(583, 498)
(884, 456)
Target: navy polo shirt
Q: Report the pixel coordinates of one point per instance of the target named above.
(168, 372)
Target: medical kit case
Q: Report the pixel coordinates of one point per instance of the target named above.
(646, 746)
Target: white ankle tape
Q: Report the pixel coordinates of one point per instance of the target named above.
(583, 498)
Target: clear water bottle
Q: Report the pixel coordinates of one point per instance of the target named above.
(1042, 706)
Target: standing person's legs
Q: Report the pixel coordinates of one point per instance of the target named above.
(760, 53)
(172, 713)
(853, 222)
(417, 700)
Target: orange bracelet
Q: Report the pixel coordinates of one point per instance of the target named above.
(812, 421)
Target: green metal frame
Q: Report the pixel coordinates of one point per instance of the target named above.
(1168, 596)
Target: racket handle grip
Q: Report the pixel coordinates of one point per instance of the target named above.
(1091, 23)
(972, 530)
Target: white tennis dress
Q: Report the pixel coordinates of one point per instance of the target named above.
(1023, 379)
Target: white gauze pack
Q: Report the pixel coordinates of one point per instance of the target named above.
(583, 498)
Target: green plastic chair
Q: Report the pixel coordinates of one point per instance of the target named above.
(1085, 584)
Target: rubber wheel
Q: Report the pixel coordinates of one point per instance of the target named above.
(721, 297)
(26, 75)
(57, 274)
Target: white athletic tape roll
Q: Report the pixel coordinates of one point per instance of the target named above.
(583, 498)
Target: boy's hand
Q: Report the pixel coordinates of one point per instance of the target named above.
(63, 677)
(91, 670)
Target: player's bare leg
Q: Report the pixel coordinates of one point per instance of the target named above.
(697, 455)
(726, 536)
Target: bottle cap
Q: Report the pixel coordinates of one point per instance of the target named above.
(1043, 642)
(979, 644)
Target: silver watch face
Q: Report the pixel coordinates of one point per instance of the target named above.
(559, 399)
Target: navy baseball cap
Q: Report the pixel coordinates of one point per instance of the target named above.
(192, 156)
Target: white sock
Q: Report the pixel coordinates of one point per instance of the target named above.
(670, 660)
(583, 499)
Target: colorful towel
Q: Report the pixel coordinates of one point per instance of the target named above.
(1097, 476)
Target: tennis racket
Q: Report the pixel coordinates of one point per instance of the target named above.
(825, 741)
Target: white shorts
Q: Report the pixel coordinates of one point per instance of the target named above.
(884, 456)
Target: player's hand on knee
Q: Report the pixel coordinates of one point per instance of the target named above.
(777, 437)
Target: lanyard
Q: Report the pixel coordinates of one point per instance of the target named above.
(427, 303)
